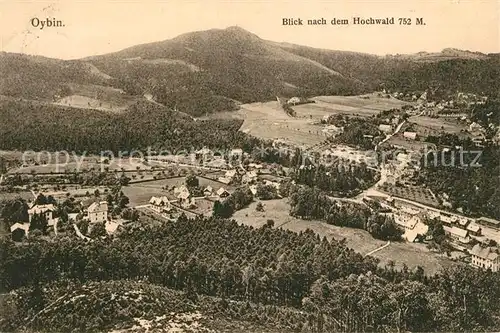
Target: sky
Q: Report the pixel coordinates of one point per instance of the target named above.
(96, 27)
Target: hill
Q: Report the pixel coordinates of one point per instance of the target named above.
(41, 126)
(217, 70)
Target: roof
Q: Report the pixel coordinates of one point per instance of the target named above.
(385, 127)
(487, 253)
(72, 216)
(253, 189)
(237, 151)
(37, 209)
(208, 189)
(251, 174)
(473, 227)
(183, 195)
(221, 191)
(457, 231)
(97, 207)
(410, 134)
(19, 225)
(111, 227)
(230, 173)
(224, 180)
(158, 201)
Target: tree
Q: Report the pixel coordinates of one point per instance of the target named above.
(259, 207)
(192, 181)
(39, 222)
(98, 230)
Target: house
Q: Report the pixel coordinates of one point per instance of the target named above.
(255, 166)
(160, 204)
(112, 227)
(229, 177)
(249, 177)
(485, 257)
(98, 212)
(475, 127)
(222, 193)
(410, 135)
(385, 128)
(253, 189)
(72, 217)
(188, 203)
(474, 229)
(19, 230)
(457, 234)
(45, 210)
(293, 100)
(208, 191)
(237, 152)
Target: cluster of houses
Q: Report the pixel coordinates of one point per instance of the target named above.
(94, 212)
(464, 234)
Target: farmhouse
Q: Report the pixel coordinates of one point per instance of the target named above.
(385, 128)
(410, 135)
(249, 177)
(19, 231)
(222, 193)
(182, 192)
(160, 204)
(45, 210)
(485, 257)
(208, 191)
(98, 212)
(474, 229)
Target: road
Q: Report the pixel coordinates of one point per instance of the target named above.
(378, 249)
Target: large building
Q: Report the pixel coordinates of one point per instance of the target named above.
(45, 210)
(485, 257)
(98, 212)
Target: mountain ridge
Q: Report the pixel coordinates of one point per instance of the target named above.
(216, 70)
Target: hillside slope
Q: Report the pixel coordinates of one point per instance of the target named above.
(216, 70)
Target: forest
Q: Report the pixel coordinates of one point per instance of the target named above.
(475, 187)
(333, 287)
(28, 125)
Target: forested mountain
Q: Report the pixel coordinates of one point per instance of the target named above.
(215, 70)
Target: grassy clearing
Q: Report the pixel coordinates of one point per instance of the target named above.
(432, 126)
(361, 241)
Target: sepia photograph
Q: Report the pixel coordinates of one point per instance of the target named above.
(249, 166)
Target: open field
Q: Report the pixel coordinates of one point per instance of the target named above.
(411, 145)
(268, 121)
(432, 126)
(361, 241)
(139, 194)
(96, 97)
(26, 195)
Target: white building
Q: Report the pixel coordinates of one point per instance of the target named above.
(45, 210)
(98, 212)
(385, 128)
(457, 234)
(222, 193)
(410, 135)
(485, 258)
(160, 204)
